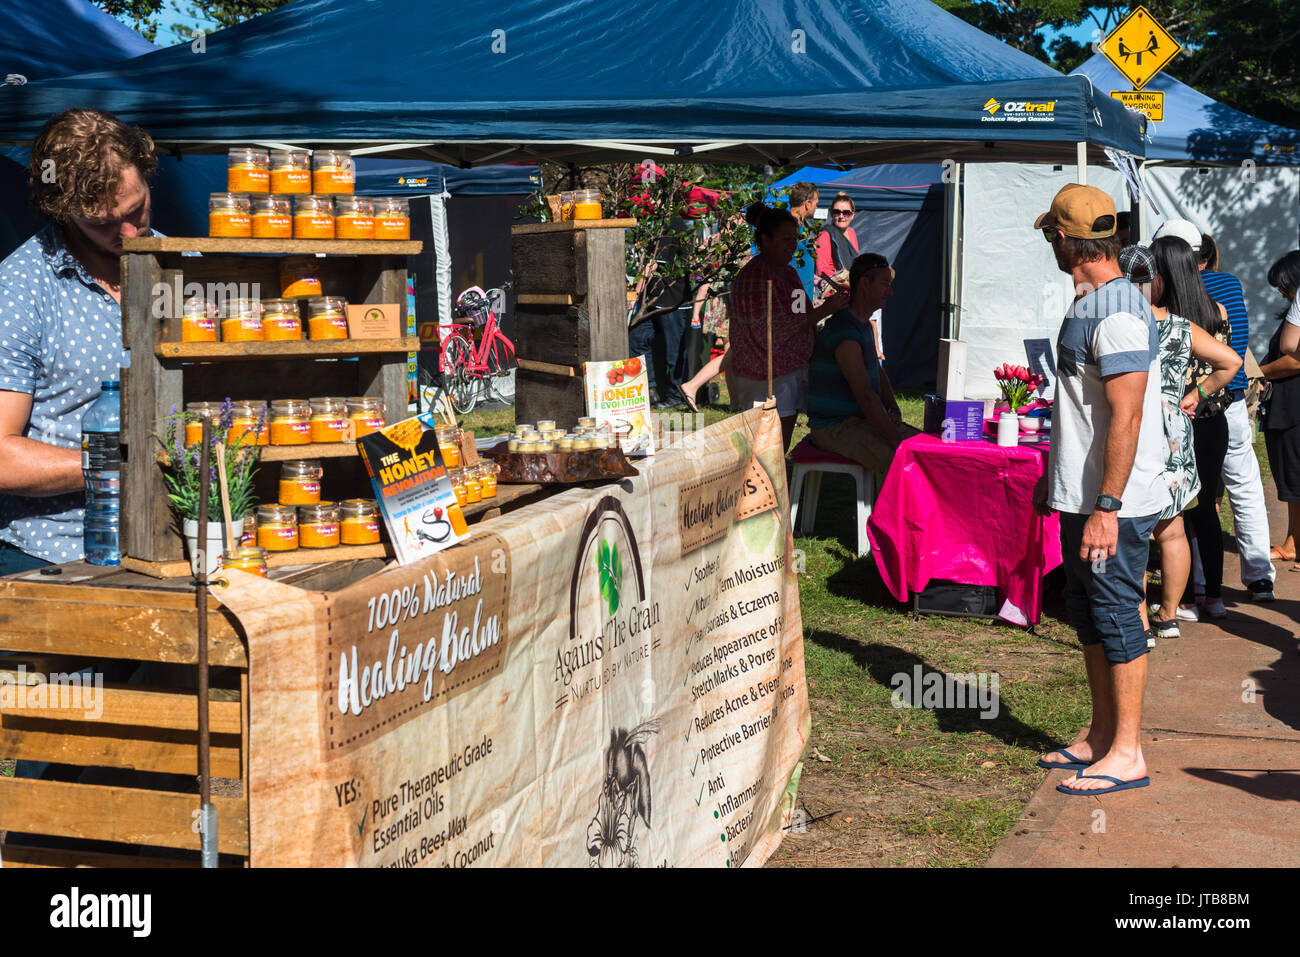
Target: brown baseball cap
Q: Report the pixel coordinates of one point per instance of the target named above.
(1075, 211)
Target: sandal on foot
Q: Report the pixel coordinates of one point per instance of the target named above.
(1074, 764)
(1117, 786)
(1277, 555)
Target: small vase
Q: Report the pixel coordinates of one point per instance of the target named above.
(211, 554)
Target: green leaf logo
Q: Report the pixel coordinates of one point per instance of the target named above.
(610, 566)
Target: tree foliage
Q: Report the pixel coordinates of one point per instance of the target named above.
(145, 16)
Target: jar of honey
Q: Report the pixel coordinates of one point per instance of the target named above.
(327, 318)
(272, 218)
(448, 445)
(487, 478)
(290, 422)
(281, 320)
(392, 218)
(586, 204)
(249, 558)
(228, 215)
(318, 525)
(290, 171)
(354, 218)
(473, 490)
(313, 217)
(566, 203)
(247, 414)
(242, 321)
(198, 321)
(300, 482)
(248, 171)
(332, 172)
(277, 527)
(299, 276)
(366, 413)
(457, 479)
(358, 521)
(248, 535)
(194, 426)
(329, 419)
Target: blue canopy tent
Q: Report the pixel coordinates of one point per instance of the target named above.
(1235, 176)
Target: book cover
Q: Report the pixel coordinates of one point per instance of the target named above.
(618, 393)
(412, 488)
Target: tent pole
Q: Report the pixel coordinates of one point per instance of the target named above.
(951, 320)
(1082, 162)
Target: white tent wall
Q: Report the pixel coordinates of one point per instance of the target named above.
(1011, 289)
(1254, 216)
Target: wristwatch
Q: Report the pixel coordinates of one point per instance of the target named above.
(1109, 503)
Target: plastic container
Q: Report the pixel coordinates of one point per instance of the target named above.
(281, 320)
(586, 204)
(248, 558)
(272, 218)
(247, 413)
(228, 215)
(248, 171)
(358, 522)
(199, 321)
(318, 525)
(366, 413)
(194, 430)
(242, 321)
(329, 419)
(448, 445)
(300, 482)
(277, 527)
(327, 318)
(487, 478)
(290, 422)
(457, 519)
(332, 171)
(299, 277)
(354, 218)
(392, 217)
(290, 171)
(313, 217)
(101, 470)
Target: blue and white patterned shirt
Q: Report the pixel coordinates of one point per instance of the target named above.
(60, 337)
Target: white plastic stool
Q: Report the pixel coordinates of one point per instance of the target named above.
(809, 463)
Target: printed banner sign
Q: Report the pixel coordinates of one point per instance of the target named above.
(612, 677)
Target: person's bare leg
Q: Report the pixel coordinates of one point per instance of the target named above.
(1101, 730)
(1124, 758)
(696, 382)
(1175, 564)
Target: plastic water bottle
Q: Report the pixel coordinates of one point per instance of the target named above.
(101, 466)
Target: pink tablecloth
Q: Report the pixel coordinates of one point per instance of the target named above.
(963, 512)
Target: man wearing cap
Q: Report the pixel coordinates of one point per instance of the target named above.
(1240, 471)
(1106, 479)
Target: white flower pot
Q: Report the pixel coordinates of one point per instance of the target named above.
(206, 559)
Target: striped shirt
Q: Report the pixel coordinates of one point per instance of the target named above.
(1225, 289)
(830, 399)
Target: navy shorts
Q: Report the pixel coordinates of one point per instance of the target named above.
(1103, 603)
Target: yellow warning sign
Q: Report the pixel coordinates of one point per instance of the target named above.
(1150, 102)
(1140, 47)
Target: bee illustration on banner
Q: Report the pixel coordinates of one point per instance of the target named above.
(624, 797)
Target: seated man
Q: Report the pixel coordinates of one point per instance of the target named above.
(851, 407)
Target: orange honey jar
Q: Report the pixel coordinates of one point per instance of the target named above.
(248, 558)
(277, 527)
(299, 276)
(300, 482)
(290, 422)
(194, 429)
(448, 445)
(199, 321)
(242, 321)
(332, 171)
(313, 217)
(318, 525)
(457, 479)
(366, 413)
(228, 215)
(271, 217)
(359, 521)
(327, 318)
(329, 419)
(487, 478)
(290, 171)
(354, 218)
(281, 320)
(248, 171)
(247, 414)
(392, 217)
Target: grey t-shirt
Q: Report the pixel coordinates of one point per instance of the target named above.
(1107, 332)
(60, 337)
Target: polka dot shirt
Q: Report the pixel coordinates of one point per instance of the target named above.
(60, 337)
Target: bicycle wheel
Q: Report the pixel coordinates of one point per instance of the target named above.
(460, 385)
(500, 358)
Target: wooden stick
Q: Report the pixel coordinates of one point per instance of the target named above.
(769, 339)
(229, 528)
(448, 411)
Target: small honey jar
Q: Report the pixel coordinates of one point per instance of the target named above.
(332, 171)
(299, 276)
(487, 478)
(318, 525)
(457, 479)
(272, 218)
(228, 215)
(281, 320)
(277, 527)
(199, 321)
(327, 318)
(290, 422)
(248, 558)
(359, 521)
(290, 171)
(300, 482)
(354, 218)
(247, 414)
(473, 490)
(392, 218)
(448, 445)
(329, 420)
(248, 170)
(366, 413)
(248, 534)
(242, 321)
(313, 217)
(194, 429)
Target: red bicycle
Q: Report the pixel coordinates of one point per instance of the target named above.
(474, 354)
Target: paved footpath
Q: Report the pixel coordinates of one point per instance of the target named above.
(1225, 769)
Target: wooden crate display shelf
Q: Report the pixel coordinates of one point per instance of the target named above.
(288, 453)
(289, 559)
(275, 247)
(571, 225)
(294, 349)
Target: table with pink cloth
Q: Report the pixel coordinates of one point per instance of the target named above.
(963, 512)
